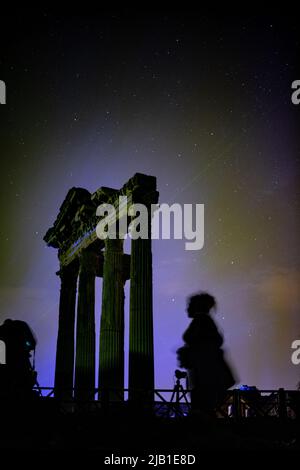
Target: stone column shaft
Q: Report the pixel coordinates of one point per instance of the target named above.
(141, 360)
(85, 333)
(64, 367)
(111, 363)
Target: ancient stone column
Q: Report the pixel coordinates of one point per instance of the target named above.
(85, 333)
(111, 363)
(141, 360)
(64, 367)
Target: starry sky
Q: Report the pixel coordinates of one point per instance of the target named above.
(202, 103)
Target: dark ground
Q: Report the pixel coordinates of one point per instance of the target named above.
(41, 425)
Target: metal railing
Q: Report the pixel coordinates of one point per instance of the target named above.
(176, 402)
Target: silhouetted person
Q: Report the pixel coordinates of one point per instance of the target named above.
(19, 342)
(202, 355)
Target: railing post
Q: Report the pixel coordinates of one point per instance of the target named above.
(282, 410)
(236, 404)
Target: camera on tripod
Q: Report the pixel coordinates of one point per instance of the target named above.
(180, 374)
(179, 405)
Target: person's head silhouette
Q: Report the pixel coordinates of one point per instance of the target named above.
(200, 304)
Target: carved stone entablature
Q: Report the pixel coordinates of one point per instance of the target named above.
(62, 229)
(75, 227)
(141, 189)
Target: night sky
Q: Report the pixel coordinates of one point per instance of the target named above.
(204, 105)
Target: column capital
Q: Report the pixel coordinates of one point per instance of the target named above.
(88, 262)
(115, 245)
(68, 272)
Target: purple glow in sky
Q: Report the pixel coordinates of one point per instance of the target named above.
(202, 105)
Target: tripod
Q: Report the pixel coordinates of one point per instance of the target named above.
(36, 385)
(179, 396)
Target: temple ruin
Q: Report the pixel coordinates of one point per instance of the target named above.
(83, 257)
